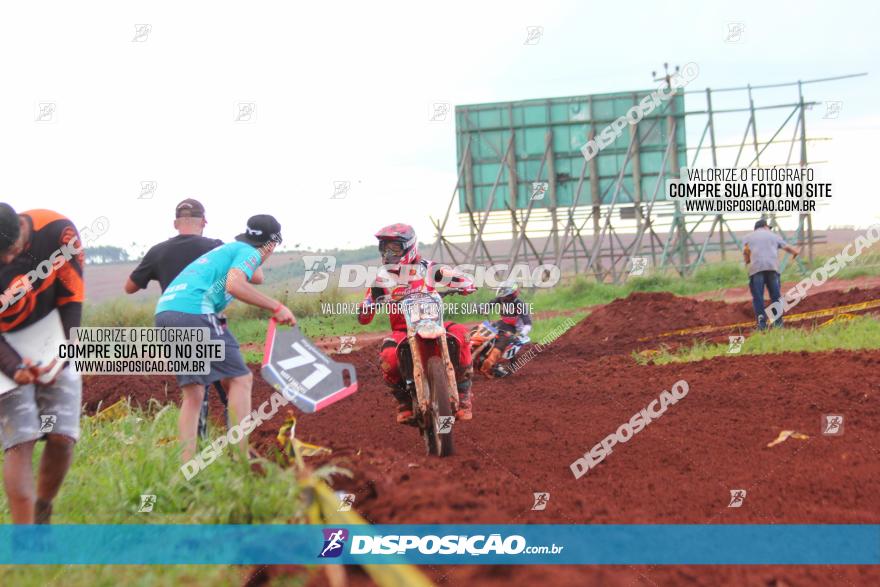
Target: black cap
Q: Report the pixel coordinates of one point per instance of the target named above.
(10, 229)
(261, 229)
(760, 224)
(189, 208)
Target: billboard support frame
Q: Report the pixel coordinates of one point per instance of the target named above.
(607, 255)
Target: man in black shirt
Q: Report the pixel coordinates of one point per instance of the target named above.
(166, 260)
(163, 262)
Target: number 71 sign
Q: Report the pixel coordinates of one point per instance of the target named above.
(302, 373)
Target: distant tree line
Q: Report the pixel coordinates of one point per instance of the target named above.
(106, 254)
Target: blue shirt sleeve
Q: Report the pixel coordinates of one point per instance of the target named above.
(247, 259)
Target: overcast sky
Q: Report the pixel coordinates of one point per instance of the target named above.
(344, 92)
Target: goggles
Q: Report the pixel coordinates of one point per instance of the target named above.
(393, 248)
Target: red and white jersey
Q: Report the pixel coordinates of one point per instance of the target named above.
(422, 276)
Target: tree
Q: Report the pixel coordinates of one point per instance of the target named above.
(106, 254)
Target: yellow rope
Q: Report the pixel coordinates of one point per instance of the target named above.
(323, 508)
(788, 317)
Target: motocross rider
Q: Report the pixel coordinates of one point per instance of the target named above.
(398, 248)
(515, 321)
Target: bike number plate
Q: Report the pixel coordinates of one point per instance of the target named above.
(302, 373)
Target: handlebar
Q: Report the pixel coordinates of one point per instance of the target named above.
(381, 302)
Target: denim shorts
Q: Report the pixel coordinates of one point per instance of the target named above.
(232, 365)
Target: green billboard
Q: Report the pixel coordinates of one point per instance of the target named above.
(548, 138)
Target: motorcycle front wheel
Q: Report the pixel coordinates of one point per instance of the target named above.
(438, 440)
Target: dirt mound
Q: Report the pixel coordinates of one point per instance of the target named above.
(836, 299)
(637, 321)
(617, 327)
(102, 391)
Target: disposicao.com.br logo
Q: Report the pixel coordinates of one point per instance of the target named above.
(476, 545)
(334, 542)
(321, 268)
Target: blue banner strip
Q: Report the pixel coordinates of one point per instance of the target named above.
(807, 544)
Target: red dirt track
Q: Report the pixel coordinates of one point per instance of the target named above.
(680, 469)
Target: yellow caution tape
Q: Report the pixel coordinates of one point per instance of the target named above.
(117, 411)
(293, 448)
(383, 575)
(311, 450)
(789, 317)
(837, 319)
(322, 507)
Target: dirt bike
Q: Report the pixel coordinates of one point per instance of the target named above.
(428, 360)
(483, 338)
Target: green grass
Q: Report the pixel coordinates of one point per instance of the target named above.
(118, 461)
(862, 332)
(868, 264)
(555, 325)
(119, 312)
(135, 576)
(580, 291)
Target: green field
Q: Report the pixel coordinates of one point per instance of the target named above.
(116, 462)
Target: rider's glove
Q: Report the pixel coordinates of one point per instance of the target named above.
(524, 331)
(365, 312)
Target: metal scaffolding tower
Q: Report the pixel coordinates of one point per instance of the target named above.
(603, 236)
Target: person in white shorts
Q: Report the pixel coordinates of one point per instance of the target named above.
(41, 264)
